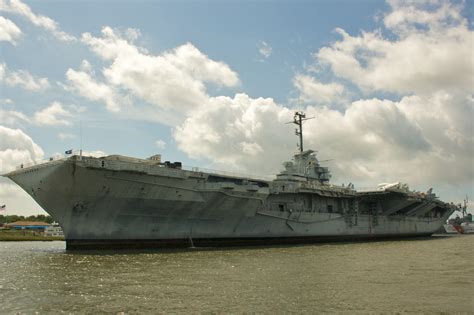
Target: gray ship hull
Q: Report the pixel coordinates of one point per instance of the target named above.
(107, 203)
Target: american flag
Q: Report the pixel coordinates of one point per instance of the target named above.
(3, 208)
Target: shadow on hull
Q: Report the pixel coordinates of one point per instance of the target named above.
(206, 243)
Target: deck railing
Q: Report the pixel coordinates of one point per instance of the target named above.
(56, 157)
(59, 157)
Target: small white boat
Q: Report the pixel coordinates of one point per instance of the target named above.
(462, 225)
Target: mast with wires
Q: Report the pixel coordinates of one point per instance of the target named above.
(298, 120)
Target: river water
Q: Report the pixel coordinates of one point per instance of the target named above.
(431, 275)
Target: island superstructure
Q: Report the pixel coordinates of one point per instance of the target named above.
(119, 202)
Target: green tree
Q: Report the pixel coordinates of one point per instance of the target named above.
(13, 218)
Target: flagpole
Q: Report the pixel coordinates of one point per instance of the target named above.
(80, 135)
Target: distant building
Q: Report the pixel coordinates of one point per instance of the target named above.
(28, 225)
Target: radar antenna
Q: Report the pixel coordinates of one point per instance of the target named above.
(298, 120)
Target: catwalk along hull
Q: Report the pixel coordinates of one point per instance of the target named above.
(117, 202)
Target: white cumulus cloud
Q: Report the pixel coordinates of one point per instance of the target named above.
(16, 147)
(85, 85)
(411, 140)
(372, 141)
(315, 92)
(13, 117)
(9, 32)
(22, 9)
(241, 132)
(54, 115)
(23, 79)
(173, 82)
(407, 16)
(432, 50)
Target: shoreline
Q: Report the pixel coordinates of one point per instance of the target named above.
(22, 235)
(31, 238)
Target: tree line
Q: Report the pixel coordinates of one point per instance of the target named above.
(14, 218)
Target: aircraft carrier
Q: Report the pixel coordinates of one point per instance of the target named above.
(123, 202)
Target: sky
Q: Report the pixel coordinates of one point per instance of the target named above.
(213, 83)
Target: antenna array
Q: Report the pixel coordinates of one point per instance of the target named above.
(298, 120)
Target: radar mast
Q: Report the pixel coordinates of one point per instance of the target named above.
(298, 120)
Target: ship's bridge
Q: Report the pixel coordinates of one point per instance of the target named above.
(304, 167)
